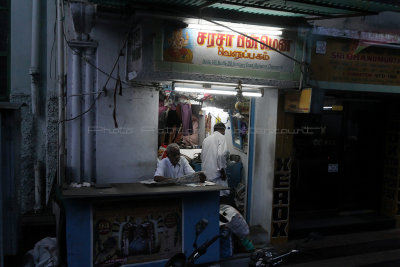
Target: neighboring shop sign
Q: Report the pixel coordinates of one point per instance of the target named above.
(280, 204)
(283, 164)
(352, 61)
(202, 47)
(133, 232)
(298, 101)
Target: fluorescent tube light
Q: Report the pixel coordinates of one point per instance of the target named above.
(215, 92)
(252, 94)
(244, 28)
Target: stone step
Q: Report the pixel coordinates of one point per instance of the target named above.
(389, 258)
(301, 226)
(365, 248)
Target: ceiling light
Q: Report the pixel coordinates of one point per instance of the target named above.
(215, 91)
(238, 27)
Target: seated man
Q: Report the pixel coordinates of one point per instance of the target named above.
(173, 166)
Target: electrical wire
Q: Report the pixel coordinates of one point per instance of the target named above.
(120, 53)
(254, 39)
(52, 46)
(78, 53)
(109, 75)
(104, 72)
(91, 93)
(83, 113)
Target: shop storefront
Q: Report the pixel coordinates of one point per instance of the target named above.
(343, 170)
(175, 80)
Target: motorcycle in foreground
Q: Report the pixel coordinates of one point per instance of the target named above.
(268, 256)
(264, 257)
(180, 260)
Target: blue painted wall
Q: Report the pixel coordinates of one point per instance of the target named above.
(195, 207)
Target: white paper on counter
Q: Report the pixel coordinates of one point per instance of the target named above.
(206, 183)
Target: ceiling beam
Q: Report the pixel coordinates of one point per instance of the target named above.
(341, 16)
(334, 5)
(232, 15)
(209, 3)
(277, 8)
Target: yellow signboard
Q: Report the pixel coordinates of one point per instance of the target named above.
(228, 50)
(344, 60)
(298, 101)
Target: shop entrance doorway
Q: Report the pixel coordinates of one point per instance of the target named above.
(338, 166)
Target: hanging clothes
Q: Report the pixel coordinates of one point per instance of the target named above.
(162, 115)
(179, 112)
(172, 119)
(208, 124)
(186, 111)
(173, 123)
(193, 139)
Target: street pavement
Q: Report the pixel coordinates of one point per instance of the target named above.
(365, 249)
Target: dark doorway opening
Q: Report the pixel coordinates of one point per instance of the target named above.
(337, 170)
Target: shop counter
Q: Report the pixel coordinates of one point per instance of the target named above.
(138, 225)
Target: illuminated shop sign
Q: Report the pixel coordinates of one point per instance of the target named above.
(353, 61)
(202, 47)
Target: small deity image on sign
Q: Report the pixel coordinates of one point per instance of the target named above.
(136, 232)
(176, 47)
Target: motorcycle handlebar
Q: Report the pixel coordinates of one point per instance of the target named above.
(202, 249)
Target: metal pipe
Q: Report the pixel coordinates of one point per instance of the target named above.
(1, 200)
(76, 110)
(302, 66)
(38, 187)
(61, 98)
(88, 120)
(34, 72)
(34, 69)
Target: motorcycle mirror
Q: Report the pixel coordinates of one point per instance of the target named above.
(178, 260)
(200, 226)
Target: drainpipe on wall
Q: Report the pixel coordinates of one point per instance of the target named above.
(76, 110)
(1, 203)
(88, 120)
(61, 99)
(82, 140)
(38, 187)
(34, 69)
(34, 72)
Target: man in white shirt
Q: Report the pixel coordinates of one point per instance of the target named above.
(173, 166)
(213, 157)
